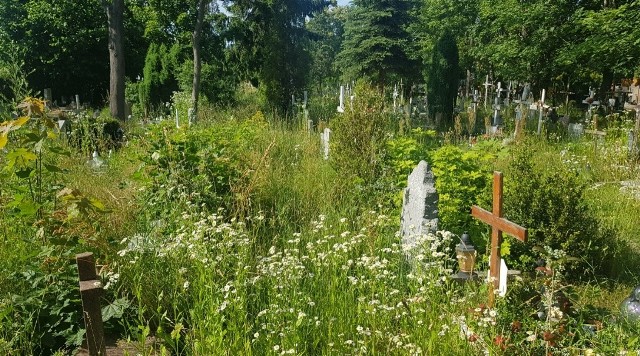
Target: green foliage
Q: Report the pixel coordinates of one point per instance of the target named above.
(13, 75)
(39, 302)
(43, 301)
(443, 78)
(376, 45)
(358, 138)
(159, 80)
(461, 178)
(550, 203)
(403, 153)
(437, 17)
(608, 40)
(327, 33)
(218, 83)
(197, 167)
(63, 42)
(273, 46)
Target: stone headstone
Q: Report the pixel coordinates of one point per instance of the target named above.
(576, 130)
(64, 126)
(191, 113)
(77, 102)
(341, 106)
(630, 307)
(419, 204)
(324, 137)
(47, 95)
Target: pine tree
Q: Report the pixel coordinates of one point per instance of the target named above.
(376, 43)
(444, 75)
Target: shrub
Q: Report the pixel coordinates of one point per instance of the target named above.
(461, 178)
(359, 138)
(200, 166)
(549, 201)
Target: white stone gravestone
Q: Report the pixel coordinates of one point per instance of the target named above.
(419, 205)
(325, 137)
(341, 106)
(47, 96)
(191, 113)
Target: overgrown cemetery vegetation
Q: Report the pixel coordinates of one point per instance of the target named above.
(221, 223)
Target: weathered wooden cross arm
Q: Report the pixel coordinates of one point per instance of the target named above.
(501, 224)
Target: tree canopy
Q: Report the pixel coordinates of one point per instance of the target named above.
(284, 47)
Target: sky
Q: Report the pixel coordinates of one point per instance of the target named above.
(343, 2)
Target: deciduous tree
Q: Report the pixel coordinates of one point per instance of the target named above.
(115, 12)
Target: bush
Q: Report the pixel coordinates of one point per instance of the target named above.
(199, 167)
(358, 139)
(461, 178)
(549, 201)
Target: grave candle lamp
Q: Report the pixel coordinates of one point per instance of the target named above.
(466, 254)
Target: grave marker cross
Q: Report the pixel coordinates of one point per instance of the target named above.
(486, 84)
(498, 226)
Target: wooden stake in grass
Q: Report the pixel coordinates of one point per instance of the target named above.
(90, 292)
(498, 226)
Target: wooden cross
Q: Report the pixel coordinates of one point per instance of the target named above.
(90, 292)
(498, 226)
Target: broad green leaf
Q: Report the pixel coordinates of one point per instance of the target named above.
(32, 137)
(49, 123)
(52, 168)
(24, 173)
(38, 146)
(115, 309)
(28, 208)
(21, 154)
(60, 151)
(3, 140)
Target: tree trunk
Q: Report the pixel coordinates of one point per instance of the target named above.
(605, 86)
(115, 10)
(197, 60)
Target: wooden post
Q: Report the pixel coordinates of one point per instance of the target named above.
(498, 226)
(90, 292)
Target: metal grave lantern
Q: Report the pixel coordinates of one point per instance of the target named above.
(466, 254)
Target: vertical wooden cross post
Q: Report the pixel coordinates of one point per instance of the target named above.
(90, 292)
(498, 226)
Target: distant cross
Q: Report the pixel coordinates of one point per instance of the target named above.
(566, 100)
(541, 108)
(486, 90)
(498, 226)
(395, 97)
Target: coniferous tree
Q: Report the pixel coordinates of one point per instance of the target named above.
(444, 75)
(376, 42)
(271, 43)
